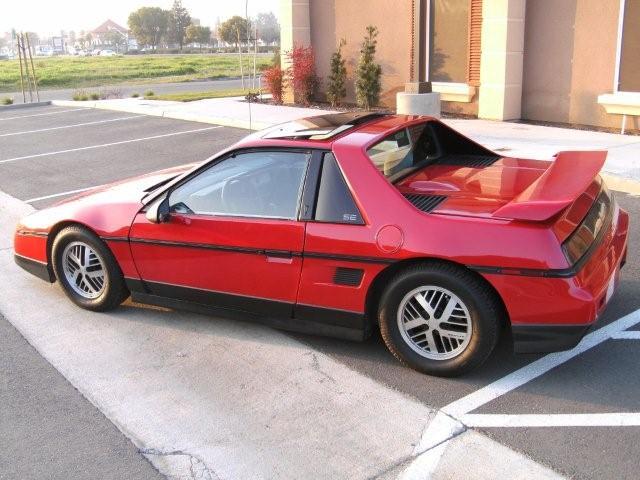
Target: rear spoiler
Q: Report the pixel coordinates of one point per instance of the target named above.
(557, 188)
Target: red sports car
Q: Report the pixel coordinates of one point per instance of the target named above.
(339, 224)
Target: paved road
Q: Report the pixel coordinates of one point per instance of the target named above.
(49, 430)
(126, 90)
(602, 380)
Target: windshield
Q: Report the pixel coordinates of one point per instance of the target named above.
(403, 151)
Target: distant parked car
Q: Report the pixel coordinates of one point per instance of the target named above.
(107, 53)
(95, 52)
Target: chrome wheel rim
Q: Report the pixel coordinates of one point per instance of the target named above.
(434, 322)
(84, 270)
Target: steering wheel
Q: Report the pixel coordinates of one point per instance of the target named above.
(237, 195)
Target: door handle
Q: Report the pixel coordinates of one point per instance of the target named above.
(278, 254)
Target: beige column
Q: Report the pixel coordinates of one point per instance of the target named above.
(294, 29)
(501, 59)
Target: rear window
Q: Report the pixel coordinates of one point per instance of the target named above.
(403, 151)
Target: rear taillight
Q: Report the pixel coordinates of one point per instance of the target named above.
(583, 237)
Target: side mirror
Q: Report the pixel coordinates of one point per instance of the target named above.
(158, 211)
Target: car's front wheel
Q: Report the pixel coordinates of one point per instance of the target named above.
(439, 319)
(87, 270)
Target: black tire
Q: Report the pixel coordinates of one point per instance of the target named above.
(114, 291)
(484, 309)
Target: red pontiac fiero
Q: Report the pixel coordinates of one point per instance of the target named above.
(342, 223)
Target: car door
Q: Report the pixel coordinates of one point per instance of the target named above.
(232, 238)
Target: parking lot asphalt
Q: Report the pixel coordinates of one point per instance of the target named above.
(49, 430)
(49, 163)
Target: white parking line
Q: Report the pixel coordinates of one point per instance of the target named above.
(91, 147)
(532, 371)
(71, 126)
(46, 197)
(484, 420)
(45, 113)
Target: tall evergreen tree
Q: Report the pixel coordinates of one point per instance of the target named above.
(368, 72)
(336, 88)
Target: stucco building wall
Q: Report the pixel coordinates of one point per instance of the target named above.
(569, 59)
(332, 20)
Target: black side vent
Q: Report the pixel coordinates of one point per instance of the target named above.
(426, 203)
(348, 276)
(473, 161)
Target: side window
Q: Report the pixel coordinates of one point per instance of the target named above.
(254, 184)
(335, 203)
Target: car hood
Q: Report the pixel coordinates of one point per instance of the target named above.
(474, 191)
(131, 189)
(108, 210)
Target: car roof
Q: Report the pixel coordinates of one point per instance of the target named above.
(321, 131)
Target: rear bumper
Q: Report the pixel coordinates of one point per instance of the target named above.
(552, 314)
(546, 338)
(41, 270)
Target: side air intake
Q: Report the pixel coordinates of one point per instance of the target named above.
(426, 203)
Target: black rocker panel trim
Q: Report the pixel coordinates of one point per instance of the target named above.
(39, 269)
(546, 338)
(223, 300)
(310, 319)
(254, 305)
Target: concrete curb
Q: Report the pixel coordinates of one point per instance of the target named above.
(20, 106)
(190, 392)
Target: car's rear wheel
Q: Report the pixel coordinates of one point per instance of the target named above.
(439, 319)
(87, 270)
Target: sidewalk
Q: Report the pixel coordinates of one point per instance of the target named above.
(513, 139)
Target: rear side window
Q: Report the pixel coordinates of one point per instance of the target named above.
(335, 203)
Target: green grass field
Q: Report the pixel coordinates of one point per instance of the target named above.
(193, 96)
(77, 72)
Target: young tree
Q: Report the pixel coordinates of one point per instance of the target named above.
(198, 34)
(368, 72)
(301, 75)
(149, 25)
(268, 27)
(234, 30)
(179, 21)
(336, 89)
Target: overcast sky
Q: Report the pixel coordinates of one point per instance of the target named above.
(51, 16)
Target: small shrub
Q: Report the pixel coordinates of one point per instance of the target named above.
(135, 95)
(94, 96)
(336, 89)
(149, 93)
(368, 72)
(274, 79)
(251, 97)
(7, 101)
(301, 75)
(80, 96)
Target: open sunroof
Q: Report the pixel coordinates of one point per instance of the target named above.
(321, 127)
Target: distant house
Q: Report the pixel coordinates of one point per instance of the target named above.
(103, 34)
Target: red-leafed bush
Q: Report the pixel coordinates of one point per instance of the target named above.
(274, 78)
(301, 75)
